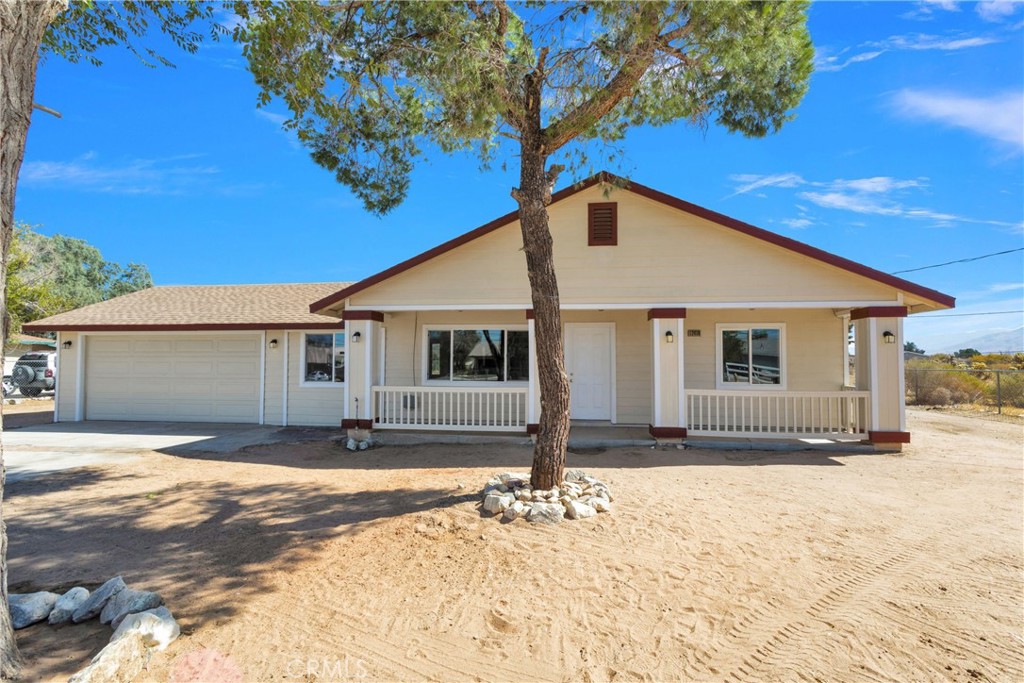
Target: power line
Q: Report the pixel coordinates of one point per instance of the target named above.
(963, 260)
(957, 315)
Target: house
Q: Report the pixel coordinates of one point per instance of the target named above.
(20, 344)
(675, 317)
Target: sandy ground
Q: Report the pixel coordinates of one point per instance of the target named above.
(308, 563)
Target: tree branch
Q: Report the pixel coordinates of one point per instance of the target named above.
(54, 112)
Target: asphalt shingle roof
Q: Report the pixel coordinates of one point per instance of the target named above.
(274, 306)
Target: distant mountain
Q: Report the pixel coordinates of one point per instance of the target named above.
(1011, 341)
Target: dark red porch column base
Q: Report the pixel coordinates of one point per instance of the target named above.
(533, 428)
(667, 432)
(889, 437)
(357, 424)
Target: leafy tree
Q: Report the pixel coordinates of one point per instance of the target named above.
(912, 347)
(371, 85)
(28, 297)
(75, 31)
(967, 353)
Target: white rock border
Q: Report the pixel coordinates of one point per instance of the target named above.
(138, 632)
(579, 497)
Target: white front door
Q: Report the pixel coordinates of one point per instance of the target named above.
(589, 354)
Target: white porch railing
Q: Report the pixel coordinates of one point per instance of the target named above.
(784, 414)
(460, 408)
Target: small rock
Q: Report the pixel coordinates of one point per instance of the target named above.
(514, 511)
(127, 602)
(28, 608)
(119, 662)
(351, 444)
(67, 604)
(494, 503)
(513, 476)
(576, 510)
(98, 600)
(575, 475)
(546, 513)
(502, 488)
(156, 626)
(565, 500)
(600, 504)
(363, 445)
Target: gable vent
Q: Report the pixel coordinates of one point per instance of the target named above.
(602, 224)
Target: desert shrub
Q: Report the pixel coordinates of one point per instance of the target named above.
(958, 387)
(1012, 390)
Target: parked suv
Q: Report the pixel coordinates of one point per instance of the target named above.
(35, 373)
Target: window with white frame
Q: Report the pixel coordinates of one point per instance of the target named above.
(485, 355)
(751, 356)
(323, 358)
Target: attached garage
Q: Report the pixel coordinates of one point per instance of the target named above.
(179, 378)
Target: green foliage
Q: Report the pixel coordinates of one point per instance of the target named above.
(1010, 389)
(370, 86)
(50, 275)
(967, 353)
(912, 347)
(88, 25)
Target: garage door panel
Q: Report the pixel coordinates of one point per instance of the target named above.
(179, 378)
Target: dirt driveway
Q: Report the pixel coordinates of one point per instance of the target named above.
(307, 562)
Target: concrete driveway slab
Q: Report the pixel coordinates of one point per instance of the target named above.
(38, 449)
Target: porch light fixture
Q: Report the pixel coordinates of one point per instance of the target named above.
(273, 343)
(67, 344)
(356, 336)
(669, 337)
(889, 337)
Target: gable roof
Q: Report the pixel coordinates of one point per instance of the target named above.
(209, 307)
(943, 300)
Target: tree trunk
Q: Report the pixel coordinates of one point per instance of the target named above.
(534, 195)
(22, 25)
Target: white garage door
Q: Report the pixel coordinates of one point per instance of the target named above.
(178, 378)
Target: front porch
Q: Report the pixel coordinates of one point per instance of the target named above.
(710, 373)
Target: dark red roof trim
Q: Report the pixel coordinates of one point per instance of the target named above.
(362, 315)
(878, 312)
(666, 313)
(667, 200)
(186, 326)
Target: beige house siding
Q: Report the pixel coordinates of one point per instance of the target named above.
(318, 406)
(814, 346)
(663, 256)
(273, 379)
(67, 376)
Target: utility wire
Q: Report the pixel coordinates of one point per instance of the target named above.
(963, 260)
(957, 315)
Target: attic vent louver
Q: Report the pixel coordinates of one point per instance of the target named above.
(602, 224)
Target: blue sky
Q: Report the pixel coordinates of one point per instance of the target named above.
(908, 151)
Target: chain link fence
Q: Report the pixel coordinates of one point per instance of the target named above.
(958, 386)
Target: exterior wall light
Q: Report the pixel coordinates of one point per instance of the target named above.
(889, 337)
(669, 337)
(67, 344)
(273, 343)
(356, 336)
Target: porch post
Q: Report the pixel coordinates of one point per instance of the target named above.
(879, 337)
(668, 400)
(361, 362)
(533, 391)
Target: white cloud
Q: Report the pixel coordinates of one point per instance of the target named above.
(878, 184)
(1006, 287)
(995, 11)
(1000, 117)
(132, 176)
(276, 119)
(755, 182)
(826, 61)
(875, 195)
